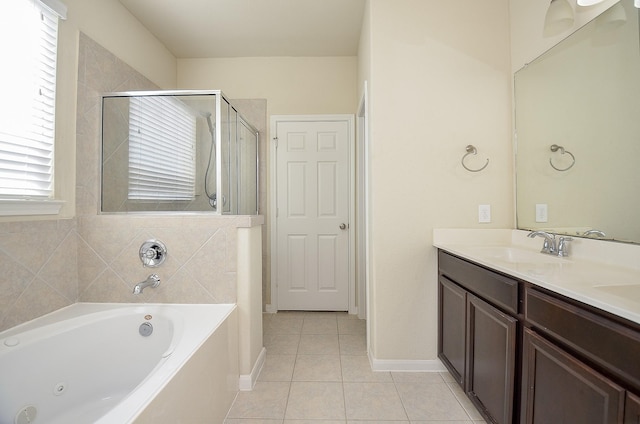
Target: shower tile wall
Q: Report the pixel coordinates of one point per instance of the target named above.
(47, 265)
(201, 260)
(99, 71)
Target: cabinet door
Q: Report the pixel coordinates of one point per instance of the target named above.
(632, 409)
(557, 388)
(451, 331)
(491, 354)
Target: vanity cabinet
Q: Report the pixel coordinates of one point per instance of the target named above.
(491, 356)
(452, 329)
(478, 334)
(587, 358)
(557, 388)
(632, 409)
(524, 354)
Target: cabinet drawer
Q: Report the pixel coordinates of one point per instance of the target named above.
(602, 341)
(496, 288)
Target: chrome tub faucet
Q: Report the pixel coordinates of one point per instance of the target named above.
(152, 280)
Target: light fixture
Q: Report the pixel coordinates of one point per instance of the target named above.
(636, 3)
(559, 17)
(588, 2)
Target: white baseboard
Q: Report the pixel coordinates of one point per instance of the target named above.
(247, 381)
(270, 308)
(417, 365)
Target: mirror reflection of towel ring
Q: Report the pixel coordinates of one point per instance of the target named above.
(471, 150)
(555, 148)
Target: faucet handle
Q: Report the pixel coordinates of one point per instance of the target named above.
(549, 244)
(563, 246)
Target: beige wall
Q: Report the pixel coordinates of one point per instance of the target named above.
(112, 26)
(439, 80)
(290, 85)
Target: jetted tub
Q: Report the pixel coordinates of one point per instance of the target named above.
(118, 363)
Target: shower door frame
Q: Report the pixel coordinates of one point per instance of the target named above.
(219, 96)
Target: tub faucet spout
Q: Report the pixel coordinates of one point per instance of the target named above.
(152, 280)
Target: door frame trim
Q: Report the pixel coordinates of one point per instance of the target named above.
(273, 197)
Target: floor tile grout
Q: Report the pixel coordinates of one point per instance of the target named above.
(318, 324)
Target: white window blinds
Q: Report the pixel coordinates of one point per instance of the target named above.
(162, 139)
(28, 33)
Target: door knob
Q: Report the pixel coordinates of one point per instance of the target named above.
(343, 226)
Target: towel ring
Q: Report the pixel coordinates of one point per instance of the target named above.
(555, 148)
(471, 150)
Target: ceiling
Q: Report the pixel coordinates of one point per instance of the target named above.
(249, 28)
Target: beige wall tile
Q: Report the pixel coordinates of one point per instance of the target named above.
(95, 257)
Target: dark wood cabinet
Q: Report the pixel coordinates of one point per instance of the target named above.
(452, 328)
(491, 357)
(525, 354)
(477, 340)
(632, 409)
(557, 388)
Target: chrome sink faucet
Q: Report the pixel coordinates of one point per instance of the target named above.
(550, 247)
(152, 280)
(594, 232)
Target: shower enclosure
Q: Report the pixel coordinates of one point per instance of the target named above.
(187, 151)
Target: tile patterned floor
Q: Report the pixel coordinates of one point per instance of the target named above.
(317, 372)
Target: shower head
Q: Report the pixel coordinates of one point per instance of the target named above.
(207, 116)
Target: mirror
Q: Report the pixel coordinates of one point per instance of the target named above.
(177, 151)
(577, 118)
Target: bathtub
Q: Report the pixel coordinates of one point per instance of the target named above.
(118, 363)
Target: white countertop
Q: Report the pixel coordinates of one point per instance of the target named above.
(602, 274)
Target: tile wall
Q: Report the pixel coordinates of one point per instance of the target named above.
(51, 264)
(38, 266)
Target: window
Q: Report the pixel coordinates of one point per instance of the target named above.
(28, 33)
(162, 142)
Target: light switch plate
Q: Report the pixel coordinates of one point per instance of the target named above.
(484, 214)
(541, 212)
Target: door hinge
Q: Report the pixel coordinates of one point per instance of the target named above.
(276, 141)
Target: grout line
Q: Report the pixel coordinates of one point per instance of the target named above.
(448, 383)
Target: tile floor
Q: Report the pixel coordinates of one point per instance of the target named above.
(317, 372)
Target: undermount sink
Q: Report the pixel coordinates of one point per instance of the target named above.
(513, 255)
(628, 291)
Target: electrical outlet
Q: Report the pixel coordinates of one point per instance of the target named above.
(541, 212)
(484, 213)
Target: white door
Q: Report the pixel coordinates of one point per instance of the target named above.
(312, 215)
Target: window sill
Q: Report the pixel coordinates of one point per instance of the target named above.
(10, 207)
